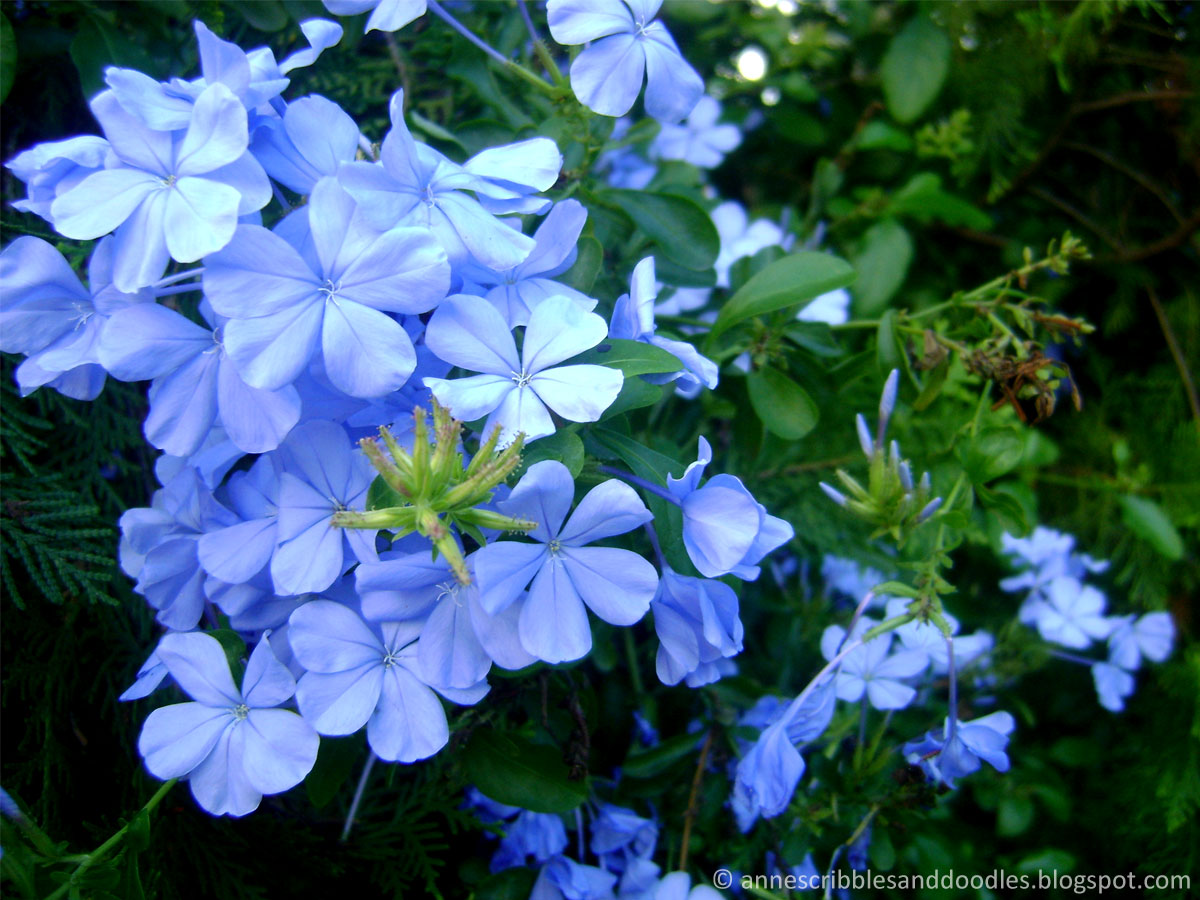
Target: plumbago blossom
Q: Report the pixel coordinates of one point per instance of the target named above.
(384, 586)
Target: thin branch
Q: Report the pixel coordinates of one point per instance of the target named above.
(1169, 242)
(1078, 216)
(1185, 374)
(1131, 97)
(1128, 171)
(693, 798)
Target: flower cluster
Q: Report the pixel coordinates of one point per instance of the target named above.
(371, 581)
(1069, 612)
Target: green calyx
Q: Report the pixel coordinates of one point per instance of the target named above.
(431, 491)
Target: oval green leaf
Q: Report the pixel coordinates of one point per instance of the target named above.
(788, 282)
(631, 357)
(915, 68)
(681, 229)
(509, 769)
(1150, 522)
(882, 264)
(782, 406)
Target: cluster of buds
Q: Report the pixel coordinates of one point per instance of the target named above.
(891, 500)
(433, 491)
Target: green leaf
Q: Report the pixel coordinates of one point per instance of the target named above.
(1150, 522)
(137, 836)
(381, 496)
(657, 759)
(1005, 507)
(433, 129)
(235, 648)
(788, 282)
(8, 57)
(993, 452)
(631, 357)
(336, 759)
(887, 353)
(877, 135)
(1014, 815)
(815, 337)
(881, 264)
(635, 394)
(265, 15)
(510, 884)
(1046, 860)
(896, 589)
(564, 446)
(914, 68)
(932, 388)
(582, 274)
(782, 406)
(509, 769)
(923, 199)
(681, 229)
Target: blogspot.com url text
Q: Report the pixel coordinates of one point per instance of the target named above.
(1041, 880)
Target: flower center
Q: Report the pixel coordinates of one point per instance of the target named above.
(391, 658)
(170, 180)
(449, 589)
(330, 290)
(555, 547)
(241, 711)
(522, 380)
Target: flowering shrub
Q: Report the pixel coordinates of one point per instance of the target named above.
(423, 393)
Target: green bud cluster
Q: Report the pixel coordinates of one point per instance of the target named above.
(432, 491)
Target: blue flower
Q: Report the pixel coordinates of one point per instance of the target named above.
(532, 836)
(514, 392)
(633, 319)
(697, 622)
(870, 669)
(517, 291)
(46, 313)
(415, 185)
(945, 759)
(766, 776)
(725, 530)
(1150, 636)
(51, 169)
(166, 197)
(1113, 685)
(617, 585)
(232, 746)
(701, 141)
(360, 674)
(624, 44)
(310, 142)
(285, 304)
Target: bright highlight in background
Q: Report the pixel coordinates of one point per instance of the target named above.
(752, 64)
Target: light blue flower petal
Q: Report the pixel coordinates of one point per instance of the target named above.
(678, 651)
(198, 665)
(673, 87)
(257, 274)
(719, 525)
(183, 407)
(216, 135)
(520, 411)
(617, 585)
(449, 654)
(403, 270)
(267, 681)
(471, 398)
(146, 341)
(140, 254)
(272, 351)
(534, 163)
(499, 635)
(885, 694)
(255, 420)
(148, 100)
(610, 508)
(392, 15)
(101, 202)
(607, 76)
(321, 35)
(487, 238)
(132, 141)
(337, 703)
(580, 21)
(278, 749)
(469, 332)
(328, 637)
(558, 329)
(239, 552)
(503, 569)
(177, 738)
(553, 623)
(383, 199)
(219, 784)
(578, 393)
(543, 495)
(367, 353)
(409, 723)
(199, 218)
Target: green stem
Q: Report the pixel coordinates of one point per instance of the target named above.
(100, 852)
(635, 674)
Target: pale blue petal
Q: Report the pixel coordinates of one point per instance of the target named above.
(534, 163)
(468, 332)
(177, 738)
(257, 274)
(885, 694)
(607, 76)
(499, 635)
(543, 495)
(328, 637)
(338, 703)
(520, 412)
(555, 239)
(321, 35)
(239, 552)
(267, 681)
(381, 197)
(719, 525)
(553, 623)
(503, 569)
(449, 654)
(147, 340)
(409, 723)
(101, 202)
(197, 663)
(611, 507)
(219, 784)
(255, 420)
(558, 329)
(487, 238)
(679, 651)
(673, 87)
(134, 143)
(272, 351)
(221, 61)
(140, 253)
(580, 21)
(392, 15)
(278, 749)
(578, 393)
(216, 135)
(403, 270)
(617, 585)
(367, 353)
(471, 398)
(199, 217)
(183, 407)
(148, 100)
